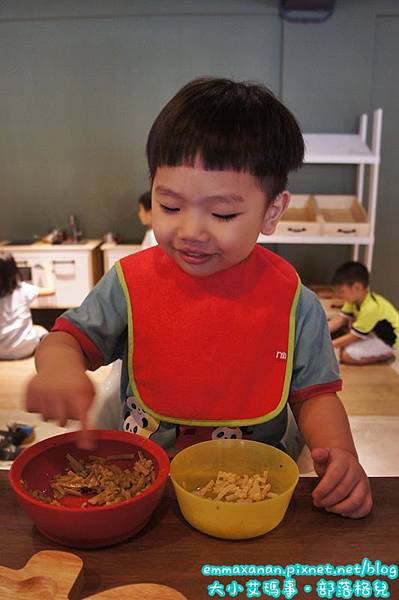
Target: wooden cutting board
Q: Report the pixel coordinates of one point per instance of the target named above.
(51, 575)
(139, 591)
(48, 575)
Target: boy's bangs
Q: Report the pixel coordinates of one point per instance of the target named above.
(220, 143)
(228, 126)
(213, 151)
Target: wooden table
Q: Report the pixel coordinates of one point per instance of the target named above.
(170, 552)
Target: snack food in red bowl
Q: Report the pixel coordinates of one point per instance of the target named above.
(126, 464)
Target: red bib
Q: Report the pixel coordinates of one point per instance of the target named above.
(213, 350)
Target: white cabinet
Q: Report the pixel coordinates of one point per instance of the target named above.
(113, 252)
(73, 277)
(349, 150)
(71, 270)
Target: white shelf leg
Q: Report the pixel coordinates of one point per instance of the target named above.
(360, 177)
(373, 183)
(360, 168)
(368, 257)
(355, 252)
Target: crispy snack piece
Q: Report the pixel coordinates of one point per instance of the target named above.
(230, 487)
(100, 480)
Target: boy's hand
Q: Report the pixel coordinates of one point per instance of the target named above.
(344, 487)
(66, 395)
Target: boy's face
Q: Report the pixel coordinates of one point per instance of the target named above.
(208, 221)
(351, 293)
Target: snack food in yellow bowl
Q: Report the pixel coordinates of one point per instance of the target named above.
(238, 512)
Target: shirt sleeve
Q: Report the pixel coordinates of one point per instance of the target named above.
(149, 240)
(315, 369)
(366, 320)
(99, 324)
(31, 291)
(347, 310)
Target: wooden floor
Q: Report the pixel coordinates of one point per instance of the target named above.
(370, 390)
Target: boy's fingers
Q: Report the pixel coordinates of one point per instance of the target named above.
(61, 415)
(320, 455)
(43, 409)
(341, 490)
(358, 502)
(32, 403)
(332, 477)
(351, 503)
(85, 438)
(364, 510)
(320, 458)
(62, 422)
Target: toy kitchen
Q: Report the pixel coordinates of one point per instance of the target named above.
(65, 266)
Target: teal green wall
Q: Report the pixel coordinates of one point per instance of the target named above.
(82, 80)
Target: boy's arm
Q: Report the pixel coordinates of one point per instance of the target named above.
(88, 336)
(344, 487)
(337, 322)
(323, 423)
(58, 351)
(61, 389)
(345, 340)
(46, 291)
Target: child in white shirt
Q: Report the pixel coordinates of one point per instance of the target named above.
(18, 336)
(145, 215)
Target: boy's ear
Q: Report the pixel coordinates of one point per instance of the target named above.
(358, 287)
(274, 212)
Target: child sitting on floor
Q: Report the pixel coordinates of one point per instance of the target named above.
(144, 213)
(372, 321)
(18, 336)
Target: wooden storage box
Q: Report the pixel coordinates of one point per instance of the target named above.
(300, 218)
(342, 215)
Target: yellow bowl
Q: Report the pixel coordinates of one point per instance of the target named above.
(196, 465)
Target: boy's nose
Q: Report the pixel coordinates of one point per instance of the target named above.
(192, 230)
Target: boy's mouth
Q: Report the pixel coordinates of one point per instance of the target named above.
(194, 258)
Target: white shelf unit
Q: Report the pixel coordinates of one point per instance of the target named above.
(345, 149)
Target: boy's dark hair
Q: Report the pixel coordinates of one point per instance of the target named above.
(350, 273)
(230, 125)
(145, 200)
(10, 276)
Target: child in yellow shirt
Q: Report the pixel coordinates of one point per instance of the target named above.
(372, 321)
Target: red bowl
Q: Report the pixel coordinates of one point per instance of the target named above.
(93, 526)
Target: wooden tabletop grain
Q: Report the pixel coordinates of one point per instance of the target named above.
(168, 551)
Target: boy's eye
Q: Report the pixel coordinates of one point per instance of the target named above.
(168, 208)
(226, 217)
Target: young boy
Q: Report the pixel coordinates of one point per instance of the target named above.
(144, 213)
(372, 321)
(216, 333)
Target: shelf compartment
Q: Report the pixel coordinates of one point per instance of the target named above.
(342, 216)
(331, 148)
(342, 240)
(300, 218)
